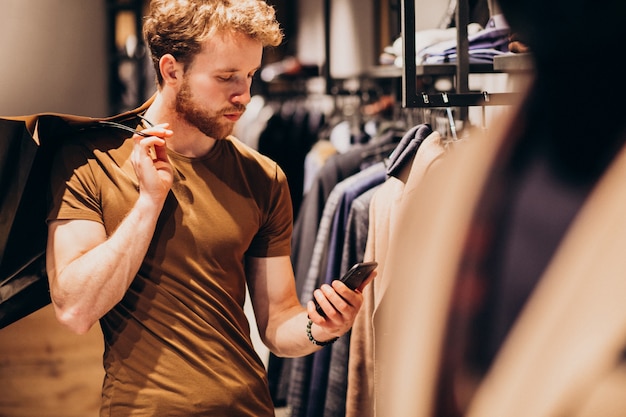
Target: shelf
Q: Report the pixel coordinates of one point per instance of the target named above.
(391, 71)
(384, 71)
(514, 62)
(451, 68)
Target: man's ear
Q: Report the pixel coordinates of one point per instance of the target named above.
(171, 69)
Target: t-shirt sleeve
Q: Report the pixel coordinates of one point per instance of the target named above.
(274, 236)
(73, 186)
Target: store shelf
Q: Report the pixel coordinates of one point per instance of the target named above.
(451, 68)
(391, 71)
(514, 62)
(384, 71)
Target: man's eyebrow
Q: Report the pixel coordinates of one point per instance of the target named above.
(236, 69)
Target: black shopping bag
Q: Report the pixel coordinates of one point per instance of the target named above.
(23, 284)
(27, 148)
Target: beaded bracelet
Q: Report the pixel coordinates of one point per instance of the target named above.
(312, 339)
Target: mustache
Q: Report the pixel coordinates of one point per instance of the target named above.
(237, 108)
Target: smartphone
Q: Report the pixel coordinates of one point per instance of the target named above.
(353, 278)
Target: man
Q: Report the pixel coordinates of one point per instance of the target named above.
(156, 236)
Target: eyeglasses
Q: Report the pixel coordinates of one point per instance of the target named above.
(127, 128)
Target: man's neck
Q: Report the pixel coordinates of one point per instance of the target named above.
(187, 139)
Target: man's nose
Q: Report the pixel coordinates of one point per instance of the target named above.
(242, 93)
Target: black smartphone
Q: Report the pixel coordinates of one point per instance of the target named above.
(353, 278)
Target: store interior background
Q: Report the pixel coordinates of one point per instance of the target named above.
(57, 53)
(58, 57)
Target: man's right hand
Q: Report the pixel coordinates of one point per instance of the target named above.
(151, 164)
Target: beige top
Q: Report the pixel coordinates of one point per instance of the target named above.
(364, 372)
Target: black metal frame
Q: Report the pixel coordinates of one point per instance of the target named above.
(462, 97)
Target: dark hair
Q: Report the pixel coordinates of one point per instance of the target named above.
(576, 104)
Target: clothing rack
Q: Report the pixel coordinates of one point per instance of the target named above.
(462, 97)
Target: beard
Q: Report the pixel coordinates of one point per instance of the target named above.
(211, 124)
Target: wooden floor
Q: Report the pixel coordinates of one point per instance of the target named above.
(47, 371)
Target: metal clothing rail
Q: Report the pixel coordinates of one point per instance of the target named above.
(462, 98)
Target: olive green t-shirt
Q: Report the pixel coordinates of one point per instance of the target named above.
(179, 344)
